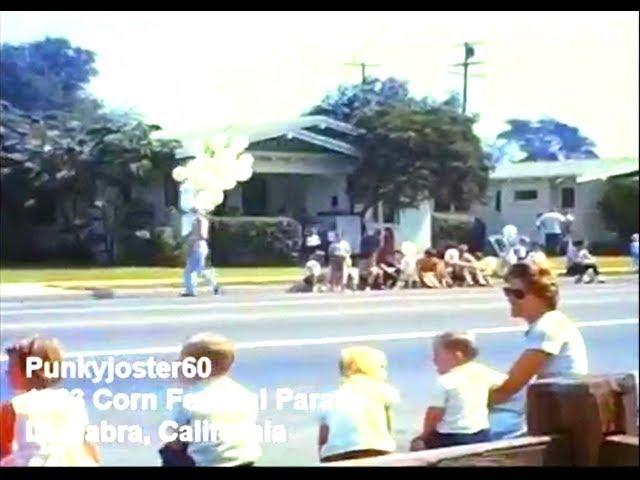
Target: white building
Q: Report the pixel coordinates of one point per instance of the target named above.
(301, 169)
(519, 191)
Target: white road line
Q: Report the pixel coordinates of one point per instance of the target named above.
(304, 342)
(215, 317)
(307, 300)
(301, 299)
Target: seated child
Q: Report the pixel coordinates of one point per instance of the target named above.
(357, 423)
(587, 267)
(219, 402)
(458, 412)
(432, 271)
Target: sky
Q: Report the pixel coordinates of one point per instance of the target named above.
(202, 71)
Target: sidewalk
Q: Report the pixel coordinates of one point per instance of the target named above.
(140, 288)
(36, 292)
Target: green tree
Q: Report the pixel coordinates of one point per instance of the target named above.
(547, 139)
(83, 166)
(619, 206)
(57, 142)
(414, 151)
(50, 74)
(348, 102)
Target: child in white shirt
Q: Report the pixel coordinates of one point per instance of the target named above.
(458, 412)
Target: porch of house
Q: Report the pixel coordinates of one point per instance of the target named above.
(292, 195)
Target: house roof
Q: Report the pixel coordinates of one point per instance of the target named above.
(292, 129)
(583, 170)
(296, 129)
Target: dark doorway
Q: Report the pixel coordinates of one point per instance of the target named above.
(254, 196)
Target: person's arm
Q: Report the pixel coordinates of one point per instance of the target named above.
(530, 363)
(432, 417)
(93, 452)
(323, 436)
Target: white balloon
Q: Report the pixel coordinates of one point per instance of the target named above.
(238, 144)
(246, 159)
(180, 174)
(219, 142)
(211, 182)
(208, 200)
(200, 181)
(228, 182)
(243, 173)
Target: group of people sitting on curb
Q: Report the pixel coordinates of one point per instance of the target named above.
(386, 267)
(357, 423)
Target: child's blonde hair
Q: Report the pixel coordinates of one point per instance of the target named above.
(459, 342)
(218, 349)
(363, 360)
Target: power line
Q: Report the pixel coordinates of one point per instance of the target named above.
(469, 52)
(363, 68)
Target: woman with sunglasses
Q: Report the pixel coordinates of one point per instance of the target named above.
(554, 346)
(42, 425)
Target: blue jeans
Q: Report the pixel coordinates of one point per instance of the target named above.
(196, 265)
(443, 440)
(552, 242)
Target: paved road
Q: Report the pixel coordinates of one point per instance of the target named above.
(293, 341)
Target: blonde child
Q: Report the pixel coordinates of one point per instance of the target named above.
(457, 413)
(358, 422)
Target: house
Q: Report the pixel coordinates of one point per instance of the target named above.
(302, 169)
(517, 192)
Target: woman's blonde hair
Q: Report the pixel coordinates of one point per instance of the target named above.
(363, 360)
(538, 279)
(218, 349)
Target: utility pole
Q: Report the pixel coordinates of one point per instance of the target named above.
(469, 52)
(363, 68)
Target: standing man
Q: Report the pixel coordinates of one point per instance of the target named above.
(550, 225)
(196, 256)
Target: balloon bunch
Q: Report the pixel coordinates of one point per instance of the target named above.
(220, 168)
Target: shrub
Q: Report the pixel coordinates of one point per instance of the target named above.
(619, 206)
(451, 228)
(248, 241)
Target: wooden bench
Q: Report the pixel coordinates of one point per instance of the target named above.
(590, 421)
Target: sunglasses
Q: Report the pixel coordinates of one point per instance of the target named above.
(514, 292)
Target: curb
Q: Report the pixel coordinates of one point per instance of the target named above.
(240, 282)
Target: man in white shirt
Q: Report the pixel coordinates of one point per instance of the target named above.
(339, 263)
(550, 225)
(197, 255)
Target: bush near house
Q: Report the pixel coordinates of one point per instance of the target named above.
(451, 228)
(249, 241)
(619, 206)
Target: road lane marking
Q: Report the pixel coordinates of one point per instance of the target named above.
(213, 317)
(307, 299)
(304, 342)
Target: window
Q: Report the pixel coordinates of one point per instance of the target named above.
(334, 202)
(388, 214)
(525, 195)
(499, 201)
(568, 197)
